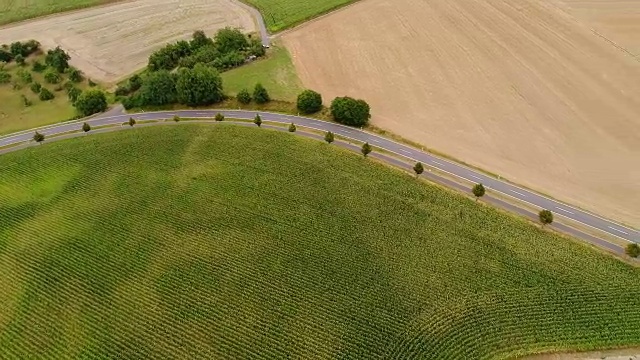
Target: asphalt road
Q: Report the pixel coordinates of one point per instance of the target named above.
(264, 34)
(558, 208)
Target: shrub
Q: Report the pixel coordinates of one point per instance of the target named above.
(260, 94)
(418, 168)
(25, 76)
(45, 94)
(35, 87)
(122, 90)
(75, 75)
(632, 250)
(309, 102)
(91, 102)
(19, 59)
(292, 127)
(73, 94)
(57, 59)
(132, 121)
(135, 82)
(86, 127)
(257, 120)
(350, 111)
(244, 97)
(51, 77)
(38, 67)
(546, 217)
(328, 137)
(176, 118)
(478, 191)
(5, 56)
(91, 83)
(38, 137)
(219, 117)
(366, 149)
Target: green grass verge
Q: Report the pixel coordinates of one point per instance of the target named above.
(200, 241)
(16, 10)
(283, 14)
(276, 72)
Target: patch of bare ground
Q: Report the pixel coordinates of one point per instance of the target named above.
(109, 42)
(624, 354)
(519, 87)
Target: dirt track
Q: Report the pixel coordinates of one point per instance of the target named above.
(518, 87)
(111, 41)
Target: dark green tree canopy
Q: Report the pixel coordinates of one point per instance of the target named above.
(260, 94)
(366, 149)
(309, 102)
(244, 97)
(86, 127)
(201, 85)
(478, 190)
(91, 102)
(350, 111)
(546, 217)
(199, 40)
(632, 250)
(57, 59)
(257, 120)
(45, 94)
(328, 137)
(229, 40)
(159, 88)
(292, 127)
(219, 117)
(38, 137)
(418, 168)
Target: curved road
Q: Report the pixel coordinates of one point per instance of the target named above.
(411, 153)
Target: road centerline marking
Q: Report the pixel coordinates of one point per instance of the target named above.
(519, 193)
(563, 210)
(612, 228)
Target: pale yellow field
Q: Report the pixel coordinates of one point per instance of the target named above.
(109, 42)
(522, 88)
(615, 20)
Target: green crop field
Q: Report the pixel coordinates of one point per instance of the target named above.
(227, 242)
(276, 72)
(16, 10)
(282, 14)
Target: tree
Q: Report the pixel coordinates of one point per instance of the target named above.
(478, 191)
(38, 67)
(159, 88)
(228, 40)
(418, 168)
(86, 127)
(91, 102)
(199, 40)
(260, 94)
(219, 117)
(201, 85)
(75, 75)
(45, 94)
(350, 111)
(366, 149)
(73, 94)
(5, 56)
(176, 118)
(257, 120)
(292, 127)
(57, 59)
(17, 48)
(244, 97)
(38, 137)
(632, 250)
(135, 83)
(132, 121)
(309, 102)
(546, 217)
(328, 137)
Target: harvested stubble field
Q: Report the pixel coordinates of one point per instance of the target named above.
(195, 241)
(518, 87)
(113, 41)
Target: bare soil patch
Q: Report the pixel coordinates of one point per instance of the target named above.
(623, 354)
(519, 87)
(109, 42)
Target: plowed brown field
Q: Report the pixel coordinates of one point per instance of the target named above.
(522, 88)
(111, 41)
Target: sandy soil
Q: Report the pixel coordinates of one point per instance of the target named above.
(109, 42)
(616, 20)
(518, 87)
